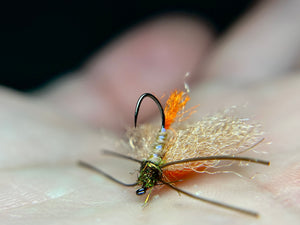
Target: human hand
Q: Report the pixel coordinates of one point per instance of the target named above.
(42, 137)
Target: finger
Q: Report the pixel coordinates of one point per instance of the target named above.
(264, 44)
(153, 57)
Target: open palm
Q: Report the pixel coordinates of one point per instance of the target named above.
(43, 136)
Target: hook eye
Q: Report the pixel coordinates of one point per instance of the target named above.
(141, 191)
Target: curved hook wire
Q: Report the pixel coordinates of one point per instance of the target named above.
(138, 104)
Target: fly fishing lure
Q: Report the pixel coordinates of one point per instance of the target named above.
(179, 148)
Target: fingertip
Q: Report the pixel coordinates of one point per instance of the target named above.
(154, 57)
(263, 44)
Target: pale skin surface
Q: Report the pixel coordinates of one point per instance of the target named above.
(42, 137)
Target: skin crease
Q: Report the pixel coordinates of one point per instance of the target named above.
(42, 136)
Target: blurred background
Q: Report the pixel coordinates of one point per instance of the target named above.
(42, 40)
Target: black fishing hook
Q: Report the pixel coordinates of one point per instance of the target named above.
(138, 104)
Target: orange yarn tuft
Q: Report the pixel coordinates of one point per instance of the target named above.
(175, 175)
(174, 105)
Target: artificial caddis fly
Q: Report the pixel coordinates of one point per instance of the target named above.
(178, 148)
